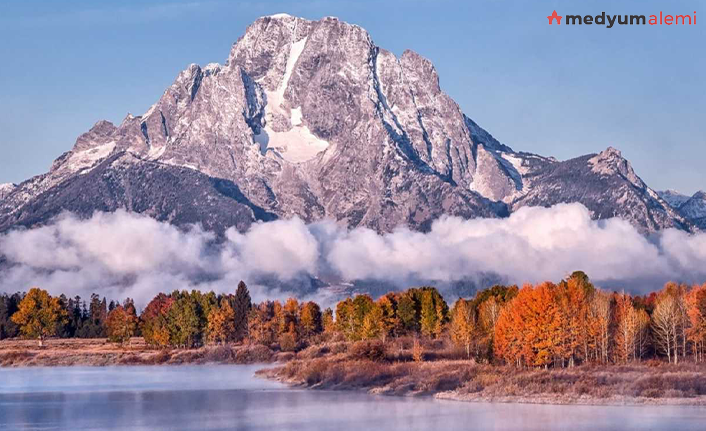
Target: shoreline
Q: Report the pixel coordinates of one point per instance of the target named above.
(332, 367)
(101, 353)
(615, 401)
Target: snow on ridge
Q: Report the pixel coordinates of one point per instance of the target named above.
(87, 158)
(298, 144)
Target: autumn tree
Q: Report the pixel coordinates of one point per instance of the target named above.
(432, 311)
(696, 312)
(289, 328)
(221, 323)
(642, 340)
(371, 327)
(487, 304)
(121, 323)
(153, 320)
(262, 324)
(508, 339)
(310, 319)
(626, 329)
(350, 316)
(39, 314)
(327, 321)
(389, 322)
(572, 309)
(598, 326)
(529, 328)
(463, 326)
(665, 325)
(184, 322)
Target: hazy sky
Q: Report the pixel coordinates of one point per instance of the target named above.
(554, 90)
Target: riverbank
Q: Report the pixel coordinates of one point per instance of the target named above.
(100, 352)
(461, 380)
(372, 368)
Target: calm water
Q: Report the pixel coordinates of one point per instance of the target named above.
(228, 397)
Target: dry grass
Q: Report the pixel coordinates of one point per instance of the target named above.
(100, 352)
(396, 374)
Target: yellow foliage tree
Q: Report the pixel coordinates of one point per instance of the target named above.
(463, 326)
(39, 315)
(221, 323)
(121, 324)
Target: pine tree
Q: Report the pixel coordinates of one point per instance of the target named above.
(241, 308)
(406, 313)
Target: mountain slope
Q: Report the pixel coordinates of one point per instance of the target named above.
(311, 118)
(694, 209)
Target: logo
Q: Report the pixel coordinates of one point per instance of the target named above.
(611, 20)
(553, 17)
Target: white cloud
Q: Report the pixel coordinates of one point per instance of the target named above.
(123, 254)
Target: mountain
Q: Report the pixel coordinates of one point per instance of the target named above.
(673, 198)
(694, 209)
(311, 118)
(6, 189)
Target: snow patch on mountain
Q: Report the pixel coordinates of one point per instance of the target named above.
(81, 160)
(293, 142)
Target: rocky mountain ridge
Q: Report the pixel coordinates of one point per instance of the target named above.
(311, 118)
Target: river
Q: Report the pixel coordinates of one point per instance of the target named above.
(230, 398)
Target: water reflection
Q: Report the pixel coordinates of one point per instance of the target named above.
(229, 398)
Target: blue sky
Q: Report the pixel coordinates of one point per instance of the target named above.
(555, 90)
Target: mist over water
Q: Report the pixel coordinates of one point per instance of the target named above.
(229, 397)
(128, 255)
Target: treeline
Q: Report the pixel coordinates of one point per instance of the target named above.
(81, 319)
(181, 319)
(547, 325)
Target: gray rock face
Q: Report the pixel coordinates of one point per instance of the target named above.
(6, 189)
(673, 198)
(694, 209)
(311, 118)
(606, 184)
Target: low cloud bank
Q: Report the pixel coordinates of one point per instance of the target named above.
(122, 254)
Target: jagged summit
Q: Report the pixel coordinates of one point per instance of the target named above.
(311, 118)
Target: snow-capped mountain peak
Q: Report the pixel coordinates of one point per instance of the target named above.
(311, 118)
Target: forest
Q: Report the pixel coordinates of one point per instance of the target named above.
(544, 326)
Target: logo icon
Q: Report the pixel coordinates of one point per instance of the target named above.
(553, 17)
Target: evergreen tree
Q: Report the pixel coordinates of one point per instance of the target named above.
(241, 309)
(8, 306)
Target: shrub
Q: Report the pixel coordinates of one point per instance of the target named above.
(253, 354)
(220, 354)
(372, 350)
(288, 342)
